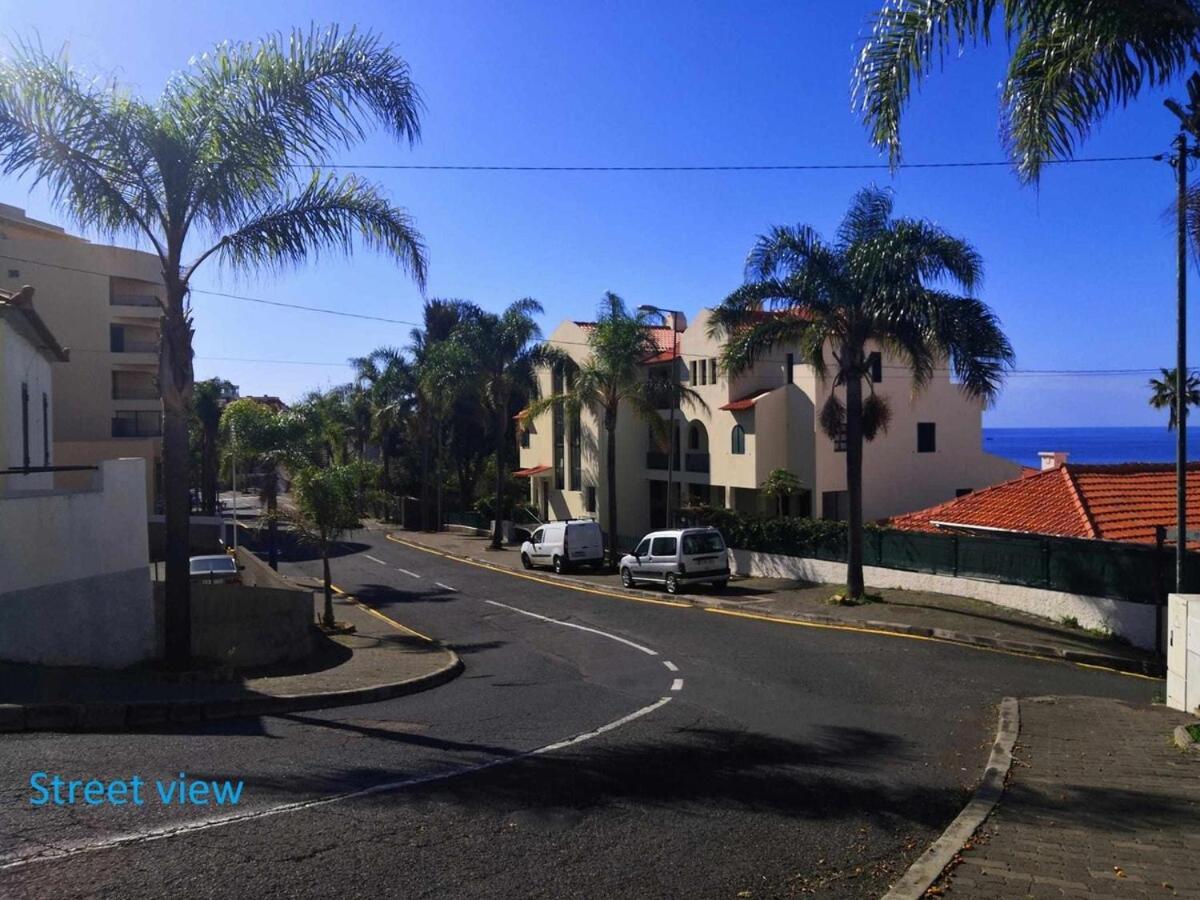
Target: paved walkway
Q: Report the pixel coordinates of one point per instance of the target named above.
(1099, 804)
(377, 653)
(781, 597)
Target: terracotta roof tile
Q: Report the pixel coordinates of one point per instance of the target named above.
(1115, 503)
(748, 401)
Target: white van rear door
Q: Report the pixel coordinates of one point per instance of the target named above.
(583, 542)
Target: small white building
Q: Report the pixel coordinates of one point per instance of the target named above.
(74, 564)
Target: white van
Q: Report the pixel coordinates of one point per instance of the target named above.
(564, 545)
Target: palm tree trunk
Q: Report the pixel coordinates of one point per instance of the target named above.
(425, 475)
(175, 378)
(440, 473)
(610, 467)
(497, 507)
(328, 619)
(854, 463)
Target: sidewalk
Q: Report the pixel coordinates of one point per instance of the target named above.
(958, 619)
(375, 663)
(1099, 804)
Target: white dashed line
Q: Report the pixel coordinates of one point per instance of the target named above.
(406, 572)
(373, 559)
(445, 587)
(677, 684)
(613, 637)
(670, 665)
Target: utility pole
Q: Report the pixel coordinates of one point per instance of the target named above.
(1180, 162)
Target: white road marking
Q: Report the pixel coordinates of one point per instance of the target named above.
(406, 572)
(64, 851)
(670, 665)
(373, 559)
(613, 637)
(445, 587)
(677, 684)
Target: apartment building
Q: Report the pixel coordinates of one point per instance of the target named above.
(758, 421)
(101, 302)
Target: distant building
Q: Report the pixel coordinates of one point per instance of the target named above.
(103, 302)
(763, 419)
(74, 579)
(1106, 502)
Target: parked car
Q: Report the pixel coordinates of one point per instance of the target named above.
(564, 545)
(216, 569)
(677, 557)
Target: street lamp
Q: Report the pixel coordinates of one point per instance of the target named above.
(674, 315)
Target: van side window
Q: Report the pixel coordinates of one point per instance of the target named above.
(537, 537)
(664, 546)
(643, 549)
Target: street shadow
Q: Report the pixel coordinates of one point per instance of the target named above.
(838, 775)
(382, 596)
(1101, 809)
(477, 647)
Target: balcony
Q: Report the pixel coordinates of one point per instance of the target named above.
(129, 346)
(142, 300)
(137, 425)
(656, 460)
(136, 392)
(696, 462)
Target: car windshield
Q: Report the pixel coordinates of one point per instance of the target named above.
(216, 564)
(706, 542)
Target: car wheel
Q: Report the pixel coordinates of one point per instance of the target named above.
(626, 577)
(558, 565)
(525, 561)
(672, 583)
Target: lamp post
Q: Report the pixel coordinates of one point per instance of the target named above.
(673, 315)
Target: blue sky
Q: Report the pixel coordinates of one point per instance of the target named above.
(1081, 270)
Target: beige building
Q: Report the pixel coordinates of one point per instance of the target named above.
(759, 421)
(101, 302)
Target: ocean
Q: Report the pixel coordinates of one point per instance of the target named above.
(1089, 445)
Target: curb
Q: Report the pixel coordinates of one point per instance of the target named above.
(925, 871)
(127, 716)
(1184, 741)
(1147, 668)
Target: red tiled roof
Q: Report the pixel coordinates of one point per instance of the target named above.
(748, 401)
(663, 337)
(1114, 503)
(531, 471)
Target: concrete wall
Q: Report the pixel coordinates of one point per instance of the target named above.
(22, 364)
(74, 572)
(1135, 621)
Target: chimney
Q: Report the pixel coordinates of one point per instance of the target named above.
(1053, 459)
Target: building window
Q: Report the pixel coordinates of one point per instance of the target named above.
(524, 438)
(136, 423)
(576, 451)
(788, 366)
(738, 440)
(25, 423)
(704, 371)
(875, 364)
(45, 430)
(926, 437)
(694, 438)
(839, 442)
(712, 369)
(962, 492)
(589, 498)
(835, 505)
(694, 372)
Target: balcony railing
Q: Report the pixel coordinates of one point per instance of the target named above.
(140, 427)
(128, 346)
(696, 462)
(132, 300)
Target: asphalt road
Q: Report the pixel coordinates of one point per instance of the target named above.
(594, 747)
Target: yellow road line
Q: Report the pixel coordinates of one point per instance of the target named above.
(377, 614)
(571, 587)
(764, 618)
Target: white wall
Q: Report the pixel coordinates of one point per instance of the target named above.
(21, 363)
(1135, 621)
(74, 572)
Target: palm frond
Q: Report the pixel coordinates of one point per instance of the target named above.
(781, 251)
(869, 214)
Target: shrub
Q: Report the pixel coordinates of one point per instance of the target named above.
(793, 536)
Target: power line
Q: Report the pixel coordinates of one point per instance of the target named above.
(785, 167)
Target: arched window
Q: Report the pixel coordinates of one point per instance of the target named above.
(693, 438)
(738, 440)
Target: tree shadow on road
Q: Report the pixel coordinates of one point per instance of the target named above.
(382, 596)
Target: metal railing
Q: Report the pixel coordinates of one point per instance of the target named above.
(133, 300)
(138, 392)
(125, 427)
(136, 347)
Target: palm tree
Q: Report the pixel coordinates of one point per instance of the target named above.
(613, 376)
(387, 377)
(1163, 394)
(880, 282)
(215, 168)
(507, 350)
(779, 486)
(445, 378)
(1070, 64)
(206, 409)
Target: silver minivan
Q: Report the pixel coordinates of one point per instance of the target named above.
(676, 557)
(564, 545)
